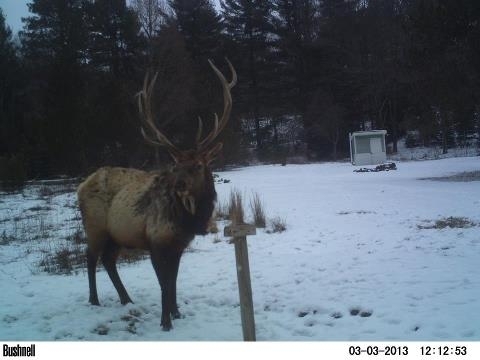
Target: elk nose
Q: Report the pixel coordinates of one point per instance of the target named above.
(181, 185)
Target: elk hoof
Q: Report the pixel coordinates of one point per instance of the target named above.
(167, 327)
(178, 315)
(94, 302)
(126, 301)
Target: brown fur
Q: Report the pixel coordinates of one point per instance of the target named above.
(136, 209)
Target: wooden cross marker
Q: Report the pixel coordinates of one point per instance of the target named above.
(239, 234)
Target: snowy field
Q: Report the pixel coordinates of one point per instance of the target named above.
(366, 256)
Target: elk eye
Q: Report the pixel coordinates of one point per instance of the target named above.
(199, 167)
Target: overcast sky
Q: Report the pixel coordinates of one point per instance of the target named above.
(14, 10)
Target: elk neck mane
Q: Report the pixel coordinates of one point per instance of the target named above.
(161, 203)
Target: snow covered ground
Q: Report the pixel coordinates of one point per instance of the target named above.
(363, 258)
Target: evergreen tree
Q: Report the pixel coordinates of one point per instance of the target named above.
(54, 44)
(441, 31)
(116, 66)
(174, 98)
(8, 73)
(200, 25)
(249, 27)
(383, 66)
(13, 168)
(296, 28)
(113, 34)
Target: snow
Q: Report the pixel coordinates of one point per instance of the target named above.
(355, 242)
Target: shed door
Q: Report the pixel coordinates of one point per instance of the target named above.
(376, 145)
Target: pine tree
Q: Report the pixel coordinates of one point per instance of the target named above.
(9, 73)
(440, 31)
(116, 64)
(113, 36)
(200, 25)
(296, 27)
(54, 44)
(249, 27)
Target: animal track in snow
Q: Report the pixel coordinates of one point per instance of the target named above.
(358, 311)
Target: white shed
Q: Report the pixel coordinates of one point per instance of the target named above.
(368, 147)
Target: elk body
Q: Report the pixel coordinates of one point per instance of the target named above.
(159, 211)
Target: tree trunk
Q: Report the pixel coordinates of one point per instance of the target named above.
(444, 129)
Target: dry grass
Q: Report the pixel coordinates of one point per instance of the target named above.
(235, 208)
(258, 211)
(222, 211)
(63, 261)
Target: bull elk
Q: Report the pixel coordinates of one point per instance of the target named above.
(159, 211)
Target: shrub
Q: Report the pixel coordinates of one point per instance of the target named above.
(278, 225)
(64, 259)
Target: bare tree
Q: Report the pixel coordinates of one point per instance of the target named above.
(151, 15)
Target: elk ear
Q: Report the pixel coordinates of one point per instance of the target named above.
(212, 154)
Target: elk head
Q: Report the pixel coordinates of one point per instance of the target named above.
(191, 175)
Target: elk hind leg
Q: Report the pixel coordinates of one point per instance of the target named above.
(92, 259)
(109, 260)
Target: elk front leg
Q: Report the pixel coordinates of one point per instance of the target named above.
(160, 264)
(174, 263)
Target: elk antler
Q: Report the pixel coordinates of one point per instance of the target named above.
(145, 109)
(219, 125)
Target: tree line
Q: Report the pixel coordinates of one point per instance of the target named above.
(310, 72)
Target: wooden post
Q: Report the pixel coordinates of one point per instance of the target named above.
(239, 234)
